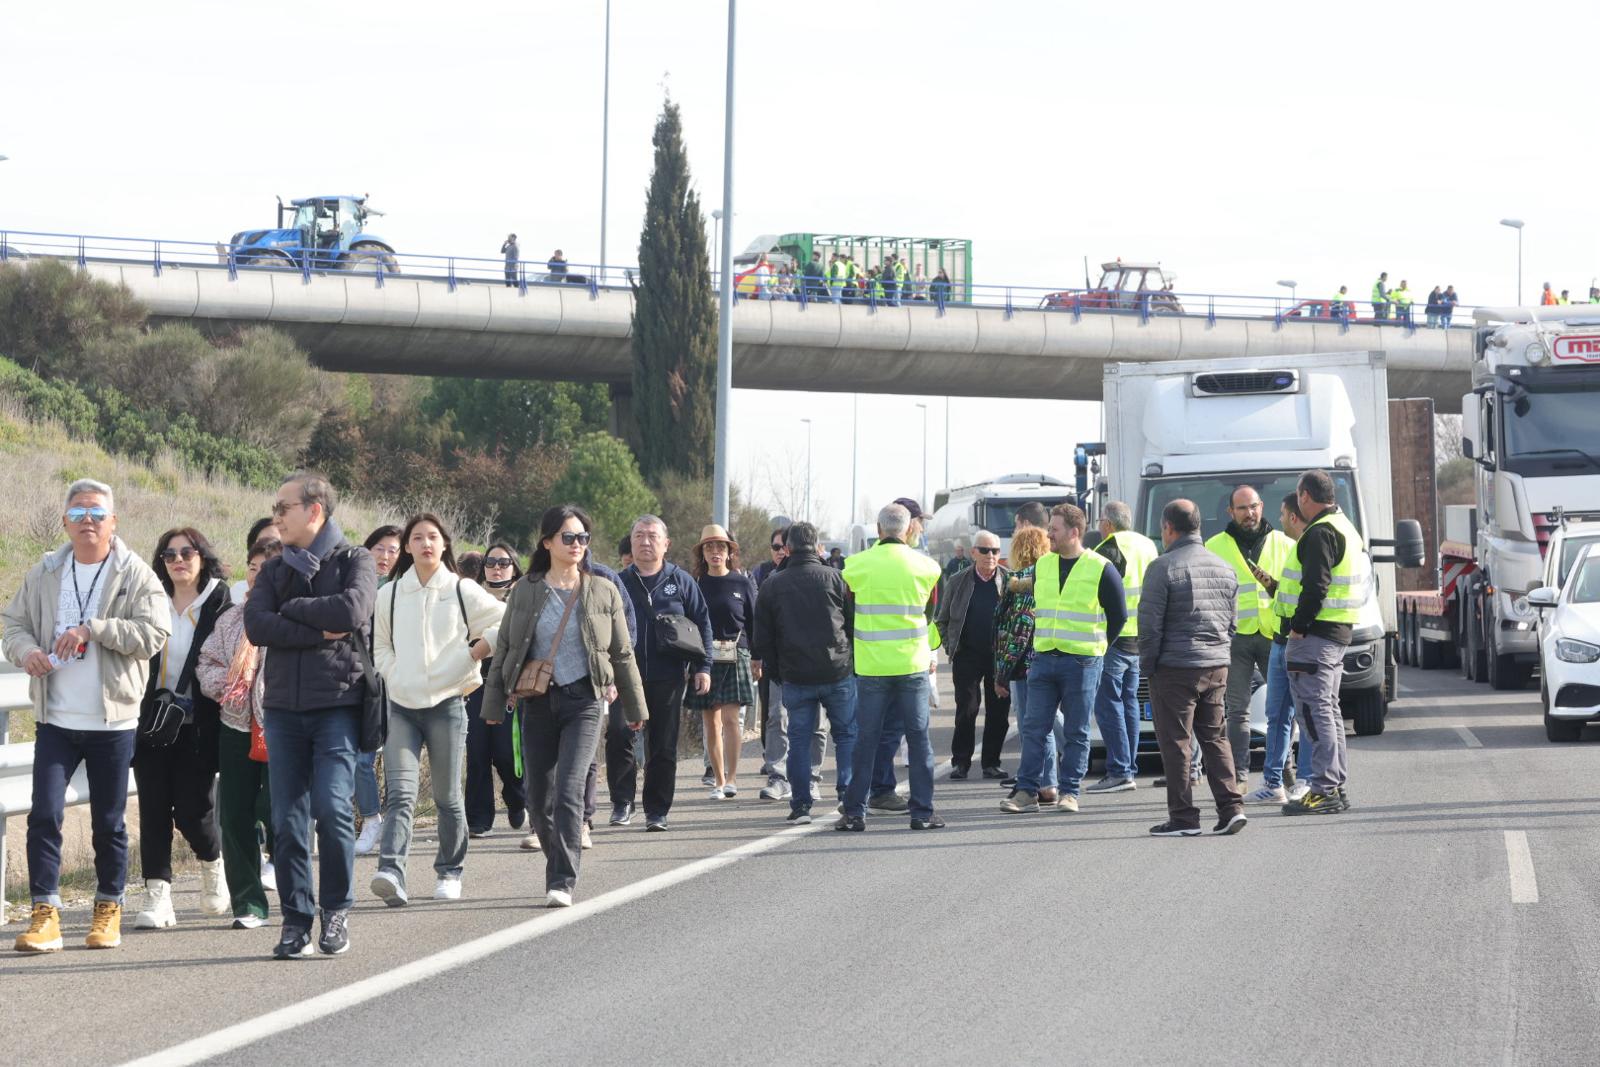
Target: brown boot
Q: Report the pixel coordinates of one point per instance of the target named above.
(44, 931)
(105, 931)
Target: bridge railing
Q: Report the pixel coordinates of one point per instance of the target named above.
(163, 254)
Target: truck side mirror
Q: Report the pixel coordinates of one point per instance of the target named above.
(1409, 550)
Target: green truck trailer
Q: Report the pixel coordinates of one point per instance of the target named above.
(932, 254)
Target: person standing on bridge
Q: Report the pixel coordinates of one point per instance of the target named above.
(1116, 703)
(1447, 306)
(1401, 296)
(1326, 582)
(967, 607)
(1256, 552)
(432, 629)
(1340, 306)
(558, 263)
(84, 626)
(1186, 616)
(309, 608)
(1380, 296)
(513, 253)
(892, 589)
(837, 272)
(1434, 308)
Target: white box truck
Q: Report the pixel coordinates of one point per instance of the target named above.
(1197, 429)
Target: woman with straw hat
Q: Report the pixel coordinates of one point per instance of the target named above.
(730, 595)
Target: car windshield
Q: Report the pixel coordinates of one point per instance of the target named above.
(999, 517)
(1212, 492)
(1586, 586)
(1553, 433)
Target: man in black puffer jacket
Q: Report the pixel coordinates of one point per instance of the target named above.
(308, 608)
(1186, 623)
(803, 637)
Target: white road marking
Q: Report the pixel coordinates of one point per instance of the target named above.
(1524, 886)
(1468, 738)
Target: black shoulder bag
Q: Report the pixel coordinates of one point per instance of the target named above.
(375, 705)
(676, 633)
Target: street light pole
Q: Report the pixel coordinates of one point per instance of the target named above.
(808, 469)
(855, 430)
(719, 479)
(947, 443)
(924, 500)
(1289, 284)
(605, 145)
(1516, 224)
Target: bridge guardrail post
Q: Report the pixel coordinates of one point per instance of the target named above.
(938, 299)
(377, 273)
(594, 288)
(522, 278)
(306, 255)
(1010, 310)
(1077, 308)
(233, 263)
(5, 247)
(83, 257)
(450, 276)
(156, 263)
(1144, 308)
(1211, 311)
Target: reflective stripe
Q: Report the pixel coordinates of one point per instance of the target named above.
(1330, 602)
(1248, 613)
(1249, 587)
(1291, 599)
(1292, 572)
(889, 609)
(1131, 590)
(891, 635)
(1075, 635)
(1070, 616)
(1348, 579)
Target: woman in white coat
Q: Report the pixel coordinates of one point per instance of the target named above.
(431, 630)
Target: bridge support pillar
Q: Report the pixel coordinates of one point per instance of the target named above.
(623, 423)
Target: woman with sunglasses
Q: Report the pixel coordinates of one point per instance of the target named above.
(384, 544)
(490, 748)
(431, 631)
(175, 780)
(564, 614)
(229, 672)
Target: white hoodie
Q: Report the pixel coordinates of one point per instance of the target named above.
(424, 658)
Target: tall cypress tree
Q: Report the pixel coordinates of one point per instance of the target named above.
(674, 318)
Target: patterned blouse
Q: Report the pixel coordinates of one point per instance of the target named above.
(1013, 628)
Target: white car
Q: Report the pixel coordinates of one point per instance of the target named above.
(1569, 648)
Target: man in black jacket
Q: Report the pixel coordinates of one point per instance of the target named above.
(966, 633)
(656, 588)
(308, 608)
(803, 636)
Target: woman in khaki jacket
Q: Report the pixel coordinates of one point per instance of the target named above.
(592, 660)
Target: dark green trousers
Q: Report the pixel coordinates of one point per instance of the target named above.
(242, 801)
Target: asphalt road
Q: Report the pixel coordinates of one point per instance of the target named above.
(1388, 935)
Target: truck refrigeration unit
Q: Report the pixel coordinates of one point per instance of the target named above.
(1198, 429)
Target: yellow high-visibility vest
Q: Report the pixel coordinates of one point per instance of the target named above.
(1138, 551)
(1352, 575)
(891, 584)
(1251, 618)
(1068, 617)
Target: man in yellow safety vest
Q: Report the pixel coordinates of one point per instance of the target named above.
(1326, 582)
(1078, 610)
(1256, 552)
(1117, 709)
(892, 588)
(1275, 774)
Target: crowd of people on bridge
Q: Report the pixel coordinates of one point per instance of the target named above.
(249, 714)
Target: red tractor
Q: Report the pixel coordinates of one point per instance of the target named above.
(1123, 287)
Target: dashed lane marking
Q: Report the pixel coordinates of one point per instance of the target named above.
(1468, 738)
(1524, 885)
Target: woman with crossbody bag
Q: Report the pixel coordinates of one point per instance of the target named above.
(432, 630)
(731, 598)
(564, 652)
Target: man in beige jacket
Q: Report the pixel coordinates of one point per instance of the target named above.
(84, 626)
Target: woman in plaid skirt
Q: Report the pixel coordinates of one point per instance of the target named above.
(731, 597)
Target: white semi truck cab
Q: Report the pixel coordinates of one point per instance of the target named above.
(1532, 426)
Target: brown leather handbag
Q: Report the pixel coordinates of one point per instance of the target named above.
(536, 674)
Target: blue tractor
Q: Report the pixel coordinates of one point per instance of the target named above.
(325, 233)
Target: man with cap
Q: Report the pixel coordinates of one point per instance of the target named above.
(891, 601)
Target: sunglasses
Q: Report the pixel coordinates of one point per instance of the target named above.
(95, 514)
(987, 551)
(569, 538)
(497, 563)
(186, 553)
(280, 509)
(777, 546)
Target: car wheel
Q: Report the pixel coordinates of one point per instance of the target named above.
(1563, 730)
(1367, 708)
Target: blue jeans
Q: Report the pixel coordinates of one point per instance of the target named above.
(367, 799)
(804, 703)
(313, 779)
(894, 731)
(1116, 710)
(1067, 683)
(106, 756)
(1048, 777)
(879, 701)
(1280, 718)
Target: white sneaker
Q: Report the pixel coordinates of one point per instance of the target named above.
(730, 790)
(269, 875)
(1300, 790)
(248, 922)
(387, 888)
(558, 898)
(447, 888)
(1267, 794)
(158, 911)
(367, 839)
(530, 843)
(587, 841)
(214, 898)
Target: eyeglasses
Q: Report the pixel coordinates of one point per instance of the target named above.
(570, 538)
(280, 509)
(96, 515)
(987, 551)
(496, 563)
(385, 550)
(777, 546)
(186, 553)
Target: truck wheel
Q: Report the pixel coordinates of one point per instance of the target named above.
(1477, 660)
(1429, 654)
(1405, 637)
(1391, 671)
(1506, 673)
(1366, 707)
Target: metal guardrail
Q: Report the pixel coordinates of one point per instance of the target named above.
(161, 254)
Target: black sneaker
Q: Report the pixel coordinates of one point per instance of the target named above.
(655, 824)
(994, 772)
(621, 814)
(888, 802)
(1008, 782)
(1315, 803)
(516, 817)
(932, 822)
(293, 943)
(335, 937)
(958, 772)
(799, 817)
(851, 822)
(1344, 798)
(1160, 783)
(1172, 829)
(1231, 825)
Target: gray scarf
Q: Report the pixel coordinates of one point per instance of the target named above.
(308, 561)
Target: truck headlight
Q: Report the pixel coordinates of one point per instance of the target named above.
(1521, 607)
(1570, 651)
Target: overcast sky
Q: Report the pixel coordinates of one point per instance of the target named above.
(1238, 144)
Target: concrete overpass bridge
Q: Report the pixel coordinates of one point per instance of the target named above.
(470, 323)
